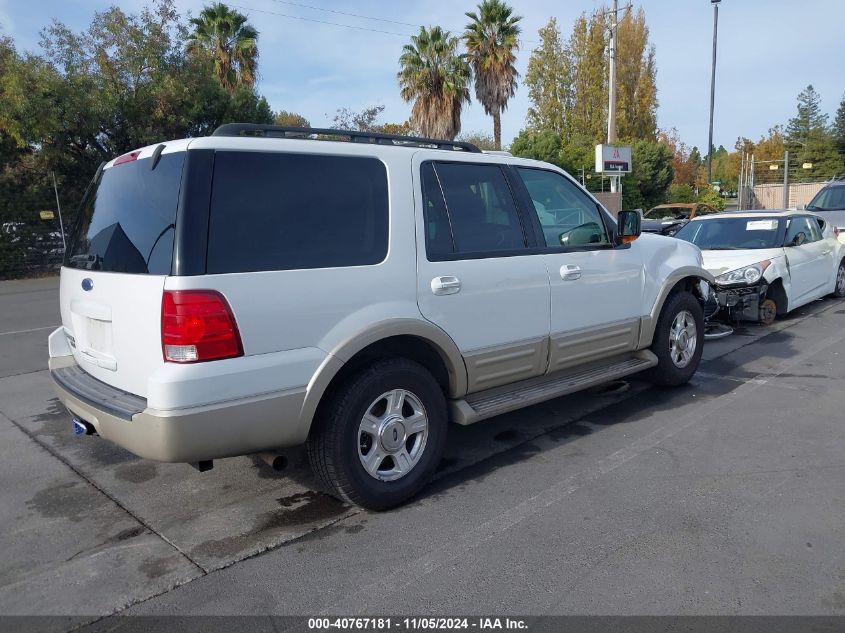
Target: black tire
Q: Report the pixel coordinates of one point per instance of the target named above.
(333, 445)
(667, 372)
(839, 289)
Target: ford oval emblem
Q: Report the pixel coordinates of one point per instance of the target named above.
(87, 284)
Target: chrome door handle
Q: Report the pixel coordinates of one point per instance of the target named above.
(569, 272)
(446, 285)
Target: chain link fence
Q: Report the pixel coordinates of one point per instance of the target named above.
(31, 240)
(779, 184)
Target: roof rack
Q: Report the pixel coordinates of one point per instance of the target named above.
(309, 133)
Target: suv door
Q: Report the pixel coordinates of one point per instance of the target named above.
(810, 259)
(476, 279)
(596, 289)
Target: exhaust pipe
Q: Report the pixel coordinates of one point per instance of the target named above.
(276, 461)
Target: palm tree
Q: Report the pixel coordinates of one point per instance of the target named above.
(492, 39)
(436, 78)
(232, 43)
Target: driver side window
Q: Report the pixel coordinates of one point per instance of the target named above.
(801, 230)
(567, 216)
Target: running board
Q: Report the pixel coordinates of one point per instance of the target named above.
(492, 402)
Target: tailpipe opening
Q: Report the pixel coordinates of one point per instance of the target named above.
(276, 461)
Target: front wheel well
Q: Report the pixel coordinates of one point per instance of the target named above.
(777, 293)
(688, 284)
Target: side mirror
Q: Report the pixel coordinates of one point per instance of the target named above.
(629, 225)
(802, 207)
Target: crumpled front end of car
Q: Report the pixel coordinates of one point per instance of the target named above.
(742, 303)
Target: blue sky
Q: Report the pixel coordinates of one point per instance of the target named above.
(769, 50)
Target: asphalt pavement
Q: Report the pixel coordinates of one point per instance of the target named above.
(725, 496)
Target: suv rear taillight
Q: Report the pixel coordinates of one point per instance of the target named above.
(198, 325)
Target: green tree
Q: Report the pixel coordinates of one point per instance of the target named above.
(122, 83)
(648, 183)
(482, 140)
(809, 116)
(492, 40)
(708, 195)
(549, 82)
(809, 140)
(290, 119)
(402, 129)
(839, 127)
(587, 46)
(681, 193)
(363, 121)
(435, 77)
(684, 164)
(695, 156)
(636, 79)
(542, 145)
(233, 44)
(549, 147)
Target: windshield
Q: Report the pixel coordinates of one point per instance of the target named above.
(670, 213)
(733, 233)
(829, 199)
(128, 221)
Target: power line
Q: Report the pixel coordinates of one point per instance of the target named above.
(346, 26)
(299, 17)
(352, 15)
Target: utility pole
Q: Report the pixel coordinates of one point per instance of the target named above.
(611, 106)
(59, 209)
(786, 180)
(715, 4)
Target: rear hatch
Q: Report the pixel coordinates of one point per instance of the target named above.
(119, 256)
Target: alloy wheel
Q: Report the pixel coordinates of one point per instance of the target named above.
(683, 339)
(392, 435)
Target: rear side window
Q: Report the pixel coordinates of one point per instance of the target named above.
(128, 221)
(274, 211)
(478, 205)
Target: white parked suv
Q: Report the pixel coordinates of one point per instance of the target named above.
(265, 287)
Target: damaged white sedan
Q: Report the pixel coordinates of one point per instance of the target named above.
(767, 263)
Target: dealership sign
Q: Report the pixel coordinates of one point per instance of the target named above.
(613, 159)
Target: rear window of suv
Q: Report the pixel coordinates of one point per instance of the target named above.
(277, 211)
(128, 221)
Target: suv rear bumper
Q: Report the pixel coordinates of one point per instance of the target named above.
(226, 429)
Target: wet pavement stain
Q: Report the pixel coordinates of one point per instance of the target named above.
(560, 433)
(125, 535)
(136, 473)
(296, 499)
(70, 501)
(157, 567)
(306, 508)
(508, 435)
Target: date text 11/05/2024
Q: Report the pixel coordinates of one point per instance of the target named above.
(417, 624)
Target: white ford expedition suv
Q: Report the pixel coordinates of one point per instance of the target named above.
(266, 287)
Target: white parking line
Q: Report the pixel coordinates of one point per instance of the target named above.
(35, 329)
